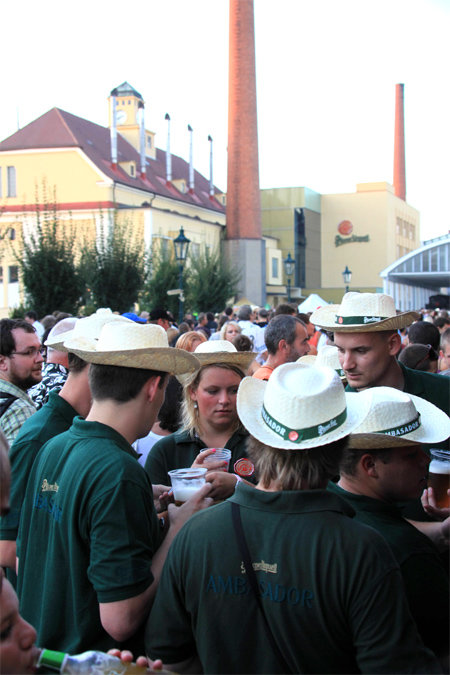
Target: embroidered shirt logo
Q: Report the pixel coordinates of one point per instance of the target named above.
(262, 567)
(49, 487)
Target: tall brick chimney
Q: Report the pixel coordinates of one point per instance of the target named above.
(399, 144)
(244, 244)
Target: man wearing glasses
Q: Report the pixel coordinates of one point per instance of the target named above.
(20, 368)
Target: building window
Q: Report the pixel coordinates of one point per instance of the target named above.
(149, 141)
(13, 271)
(275, 268)
(1, 275)
(132, 169)
(11, 181)
(194, 250)
(129, 102)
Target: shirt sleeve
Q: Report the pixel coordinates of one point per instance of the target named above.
(156, 464)
(17, 413)
(123, 530)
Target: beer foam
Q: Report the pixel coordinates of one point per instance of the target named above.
(442, 468)
(183, 493)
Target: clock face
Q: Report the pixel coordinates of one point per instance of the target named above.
(121, 117)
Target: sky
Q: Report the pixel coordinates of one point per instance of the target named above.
(326, 76)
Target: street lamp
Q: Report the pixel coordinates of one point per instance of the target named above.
(347, 276)
(289, 266)
(181, 245)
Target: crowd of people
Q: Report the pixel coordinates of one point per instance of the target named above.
(321, 546)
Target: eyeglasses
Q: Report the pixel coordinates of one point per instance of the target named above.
(32, 352)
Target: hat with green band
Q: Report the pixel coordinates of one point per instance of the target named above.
(300, 407)
(327, 356)
(398, 419)
(361, 313)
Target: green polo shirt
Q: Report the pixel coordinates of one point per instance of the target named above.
(52, 419)
(87, 535)
(180, 449)
(424, 575)
(330, 588)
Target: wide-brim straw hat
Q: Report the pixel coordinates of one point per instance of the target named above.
(328, 356)
(300, 407)
(397, 419)
(219, 352)
(88, 327)
(132, 345)
(362, 313)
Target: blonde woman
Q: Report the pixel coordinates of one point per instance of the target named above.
(209, 420)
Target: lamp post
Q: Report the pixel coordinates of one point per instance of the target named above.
(181, 245)
(289, 266)
(347, 276)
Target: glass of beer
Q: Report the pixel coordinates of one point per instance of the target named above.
(186, 482)
(439, 476)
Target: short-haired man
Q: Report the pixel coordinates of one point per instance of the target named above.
(365, 327)
(383, 466)
(55, 417)
(286, 339)
(20, 368)
(89, 535)
(327, 595)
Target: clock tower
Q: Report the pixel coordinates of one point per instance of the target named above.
(129, 108)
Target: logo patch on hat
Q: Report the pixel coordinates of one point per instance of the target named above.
(244, 467)
(293, 435)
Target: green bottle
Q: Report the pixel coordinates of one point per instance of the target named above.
(97, 663)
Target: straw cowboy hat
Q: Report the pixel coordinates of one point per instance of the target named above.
(222, 351)
(89, 327)
(218, 351)
(398, 419)
(131, 345)
(362, 313)
(300, 407)
(327, 356)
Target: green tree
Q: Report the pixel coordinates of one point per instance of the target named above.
(46, 262)
(164, 277)
(212, 281)
(113, 268)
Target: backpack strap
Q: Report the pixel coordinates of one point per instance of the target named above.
(6, 399)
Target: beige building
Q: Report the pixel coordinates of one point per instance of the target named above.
(365, 231)
(91, 173)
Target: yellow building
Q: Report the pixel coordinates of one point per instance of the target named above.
(365, 231)
(94, 172)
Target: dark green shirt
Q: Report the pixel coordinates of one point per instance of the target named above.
(424, 575)
(180, 449)
(52, 419)
(330, 587)
(87, 535)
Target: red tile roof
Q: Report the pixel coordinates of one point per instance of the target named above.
(60, 129)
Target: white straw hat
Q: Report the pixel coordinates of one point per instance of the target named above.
(218, 351)
(396, 418)
(89, 327)
(132, 345)
(300, 407)
(222, 351)
(328, 356)
(362, 313)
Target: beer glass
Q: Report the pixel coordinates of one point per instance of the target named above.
(439, 476)
(186, 482)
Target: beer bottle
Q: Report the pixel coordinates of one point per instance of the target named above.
(88, 662)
